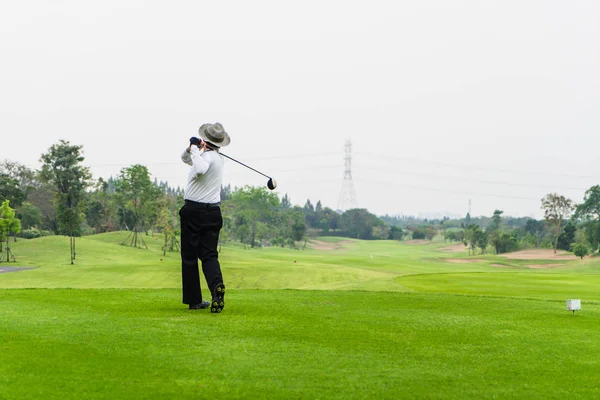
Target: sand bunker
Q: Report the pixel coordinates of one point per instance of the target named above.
(535, 266)
(542, 266)
(463, 260)
(539, 254)
(454, 248)
(319, 245)
(417, 241)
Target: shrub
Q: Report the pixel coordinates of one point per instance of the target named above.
(580, 249)
(33, 233)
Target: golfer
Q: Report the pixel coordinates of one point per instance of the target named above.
(201, 218)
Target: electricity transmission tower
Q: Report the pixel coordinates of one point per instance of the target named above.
(347, 199)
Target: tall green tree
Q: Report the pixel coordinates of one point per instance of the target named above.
(166, 226)
(590, 208)
(11, 190)
(589, 212)
(592, 234)
(494, 231)
(101, 211)
(8, 224)
(567, 236)
(556, 208)
(496, 220)
(252, 205)
(472, 237)
(481, 239)
(62, 168)
(22, 179)
(137, 194)
(291, 226)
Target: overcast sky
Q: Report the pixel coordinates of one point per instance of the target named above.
(444, 101)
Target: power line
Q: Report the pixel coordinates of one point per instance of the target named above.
(470, 167)
(249, 159)
(446, 177)
(449, 191)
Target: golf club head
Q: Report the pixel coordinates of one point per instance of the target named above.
(271, 183)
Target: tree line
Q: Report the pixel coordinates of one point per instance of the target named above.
(63, 199)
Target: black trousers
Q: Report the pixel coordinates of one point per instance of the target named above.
(200, 226)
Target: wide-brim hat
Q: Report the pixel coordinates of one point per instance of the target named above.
(215, 134)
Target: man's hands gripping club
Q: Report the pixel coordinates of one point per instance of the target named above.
(194, 141)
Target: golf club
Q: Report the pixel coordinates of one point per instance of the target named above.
(271, 183)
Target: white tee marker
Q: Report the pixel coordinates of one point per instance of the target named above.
(574, 305)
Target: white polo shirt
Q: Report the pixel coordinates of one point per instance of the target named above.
(205, 176)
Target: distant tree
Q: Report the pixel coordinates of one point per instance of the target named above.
(310, 214)
(328, 220)
(556, 209)
(166, 224)
(381, 232)
(474, 237)
(592, 234)
(455, 236)
(29, 215)
(580, 250)
(504, 243)
(10, 190)
(24, 175)
(285, 202)
(62, 168)
(291, 227)
(396, 233)
(536, 229)
(42, 197)
(589, 212)
(251, 205)
(423, 232)
(102, 210)
(138, 195)
(308, 206)
(496, 221)
(359, 223)
(298, 228)
(567, 237)
(319, 207)
(468, 219)
(417, 233)
(590, 208)
(481, 240)
(494, 232)
(430, 232)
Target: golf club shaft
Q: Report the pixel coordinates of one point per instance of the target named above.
(233, 159)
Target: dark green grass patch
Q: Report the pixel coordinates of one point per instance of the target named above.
(142, 344)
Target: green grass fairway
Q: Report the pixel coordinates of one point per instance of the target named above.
(139, 344)
(366, 320)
